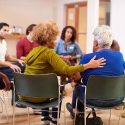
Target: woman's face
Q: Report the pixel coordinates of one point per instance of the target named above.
(76, 77)
(68, 34)
(51, 44)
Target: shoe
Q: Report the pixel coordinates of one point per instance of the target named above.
(36, 111)
(64, 92)
(53, 121)
(50, 110)
(20, 105)
(70, 109)
(123, 115)
(46, 120)
(120, 107)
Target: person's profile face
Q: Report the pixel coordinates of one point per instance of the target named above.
(51, 44)
(4, 32)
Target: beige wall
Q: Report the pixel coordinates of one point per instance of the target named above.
(25, 12)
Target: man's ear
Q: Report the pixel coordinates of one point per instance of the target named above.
(95, 46)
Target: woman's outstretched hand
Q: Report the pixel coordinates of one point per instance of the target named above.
(99, 63)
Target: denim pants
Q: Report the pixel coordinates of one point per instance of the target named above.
(54, 114)
(79, 92)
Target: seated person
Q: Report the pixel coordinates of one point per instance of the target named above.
(8, 63)
(25, 45)
(44, 60)
(103, 39)
(68, 49)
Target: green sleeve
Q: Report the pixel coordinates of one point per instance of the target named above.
(61, 68)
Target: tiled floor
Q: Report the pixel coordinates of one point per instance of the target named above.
(21, 114)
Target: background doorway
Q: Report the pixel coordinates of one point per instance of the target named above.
(76, 15)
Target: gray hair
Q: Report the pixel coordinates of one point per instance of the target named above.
(103, 34)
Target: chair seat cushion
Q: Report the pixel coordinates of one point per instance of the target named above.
(34, 100)
(45, 104)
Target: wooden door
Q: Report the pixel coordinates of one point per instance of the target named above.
(76, 15)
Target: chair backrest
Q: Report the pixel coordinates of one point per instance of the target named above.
(105, 87)
(36, 85)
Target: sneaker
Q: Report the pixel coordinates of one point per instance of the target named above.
(36, 111)
(50, 110)
(46, 120)
(53, 121)
(64, 92)
(123, 115)
(119, 107)
(70, 109)
(20, 105)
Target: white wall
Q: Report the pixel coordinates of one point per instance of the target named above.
(92, 22)
(25, 12)
(92, 17)
(118, 22)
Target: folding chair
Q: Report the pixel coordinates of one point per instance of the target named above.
(3, 104)
(38, 86)
(104, 88)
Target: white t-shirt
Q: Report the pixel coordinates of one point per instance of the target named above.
(3, 49)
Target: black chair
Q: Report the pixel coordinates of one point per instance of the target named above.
(38, 86)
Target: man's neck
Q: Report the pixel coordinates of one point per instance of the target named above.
(99, 49)
(67, 40)
(1, 40)
(29, 38)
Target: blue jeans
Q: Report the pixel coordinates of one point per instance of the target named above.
(54, 114)
(79, 92)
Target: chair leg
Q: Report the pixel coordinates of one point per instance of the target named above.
(14, 109)
(120, 115)
(6, 113)
(93, 112)
(6, 97)
(109, 117)
(58, 113)
(28, 116)
(64, 113)
(14, 114)
(3, 102)
(75, 111)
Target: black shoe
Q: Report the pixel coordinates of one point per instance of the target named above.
(53, 122)
(70, 109)
(36, 111)
(46, 120)
(20, 105)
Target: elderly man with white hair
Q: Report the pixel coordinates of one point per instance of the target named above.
(103, 38)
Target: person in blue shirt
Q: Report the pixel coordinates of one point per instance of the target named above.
(68, 49)
(103, 39)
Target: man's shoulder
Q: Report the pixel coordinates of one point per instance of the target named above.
(89, 55)
(22, 40)
(3, 41)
